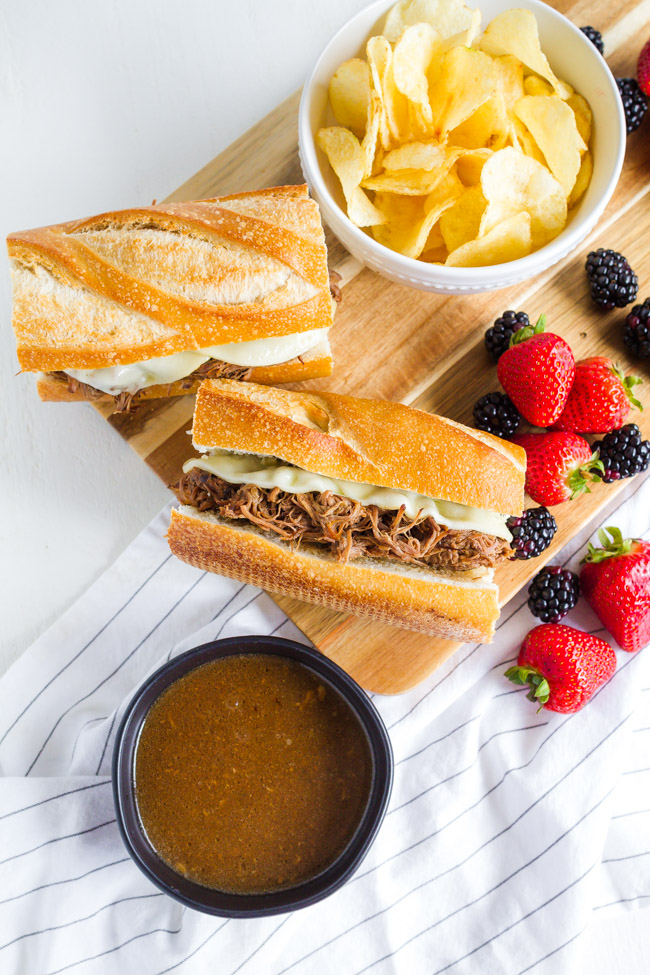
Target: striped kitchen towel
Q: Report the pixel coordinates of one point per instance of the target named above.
(508, 833)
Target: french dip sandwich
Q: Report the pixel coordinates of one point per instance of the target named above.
(145, 303)
(366, 506)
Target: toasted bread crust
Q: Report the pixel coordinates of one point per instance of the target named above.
(135, 284)
(370, 441)
(416, 601)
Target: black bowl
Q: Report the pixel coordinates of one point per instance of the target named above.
(222, 903)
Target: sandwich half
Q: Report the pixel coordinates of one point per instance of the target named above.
(145, 303)
(367, 506)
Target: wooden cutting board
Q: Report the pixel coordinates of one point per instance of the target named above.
(427, 350)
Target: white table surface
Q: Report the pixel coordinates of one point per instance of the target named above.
(105, 106)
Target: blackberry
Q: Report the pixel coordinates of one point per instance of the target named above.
(497, 338)
(552, 593)
(611, 279)
(623, 453)
(532, 532)
(497, 414)
(636, 333)
(635, 103)
(595, 37)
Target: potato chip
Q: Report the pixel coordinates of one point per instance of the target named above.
(449, 17)
(400, 209)
(413, 53)
(583, 116)
(512, 182)
(434, 248)
(510, 79)
(582, 180)
(474, 156)
(515, 32)
(349, 94)
(394, 123)
(466, 37)
(467, 79)
(406, 13)
(435, 255)
(397, 110)
(407, 226)
(401, 214)
(462, 221)
(369, 143)
(522, 138)
(412, 182)
(470, 164)
(533, 85)
(487, 128)
(380, 55)
(435, 240)
(552, 124)
(449, 188)
(406, 182)
(416, 155)
(348, 160)
(508, 241)
(453, 18)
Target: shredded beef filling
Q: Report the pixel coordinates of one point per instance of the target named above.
(349, 528)
(335, 285)
(123, 402)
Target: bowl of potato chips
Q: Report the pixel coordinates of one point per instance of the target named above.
(457, 149)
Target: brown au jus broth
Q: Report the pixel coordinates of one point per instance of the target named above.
(251, 774)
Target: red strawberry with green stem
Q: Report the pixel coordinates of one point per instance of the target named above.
(537, 373)
(643, 69)
(558, 466)
(600, 398)
(615, 580)
(562, 667)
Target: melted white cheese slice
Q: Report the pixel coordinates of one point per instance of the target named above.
(167, 369)
(268, 472)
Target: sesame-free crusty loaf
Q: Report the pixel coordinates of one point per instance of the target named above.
(368, 442)
(131, 285)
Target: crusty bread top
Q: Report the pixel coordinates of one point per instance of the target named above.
(133, 284)
(364, 440)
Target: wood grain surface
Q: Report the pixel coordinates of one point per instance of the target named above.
(427, 350)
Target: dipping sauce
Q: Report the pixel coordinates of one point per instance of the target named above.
(251, 774)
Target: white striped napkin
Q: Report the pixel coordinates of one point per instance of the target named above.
(508, 831)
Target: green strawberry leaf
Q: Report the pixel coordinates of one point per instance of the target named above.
(629, 382)
(517, 674)
(577, 484)
(527, 333)
(578, 478)
(610, 535)
(539, 689)
(613, 544)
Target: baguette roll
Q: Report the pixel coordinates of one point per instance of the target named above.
(136, 288)
(385, 467)
(389, 592)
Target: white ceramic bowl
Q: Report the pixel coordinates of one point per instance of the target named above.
(571, 56)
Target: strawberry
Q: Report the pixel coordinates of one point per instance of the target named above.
(563, 667)
(615, 580)
(537, 373)
(600, 398)
(558, 466)
(643, 69)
